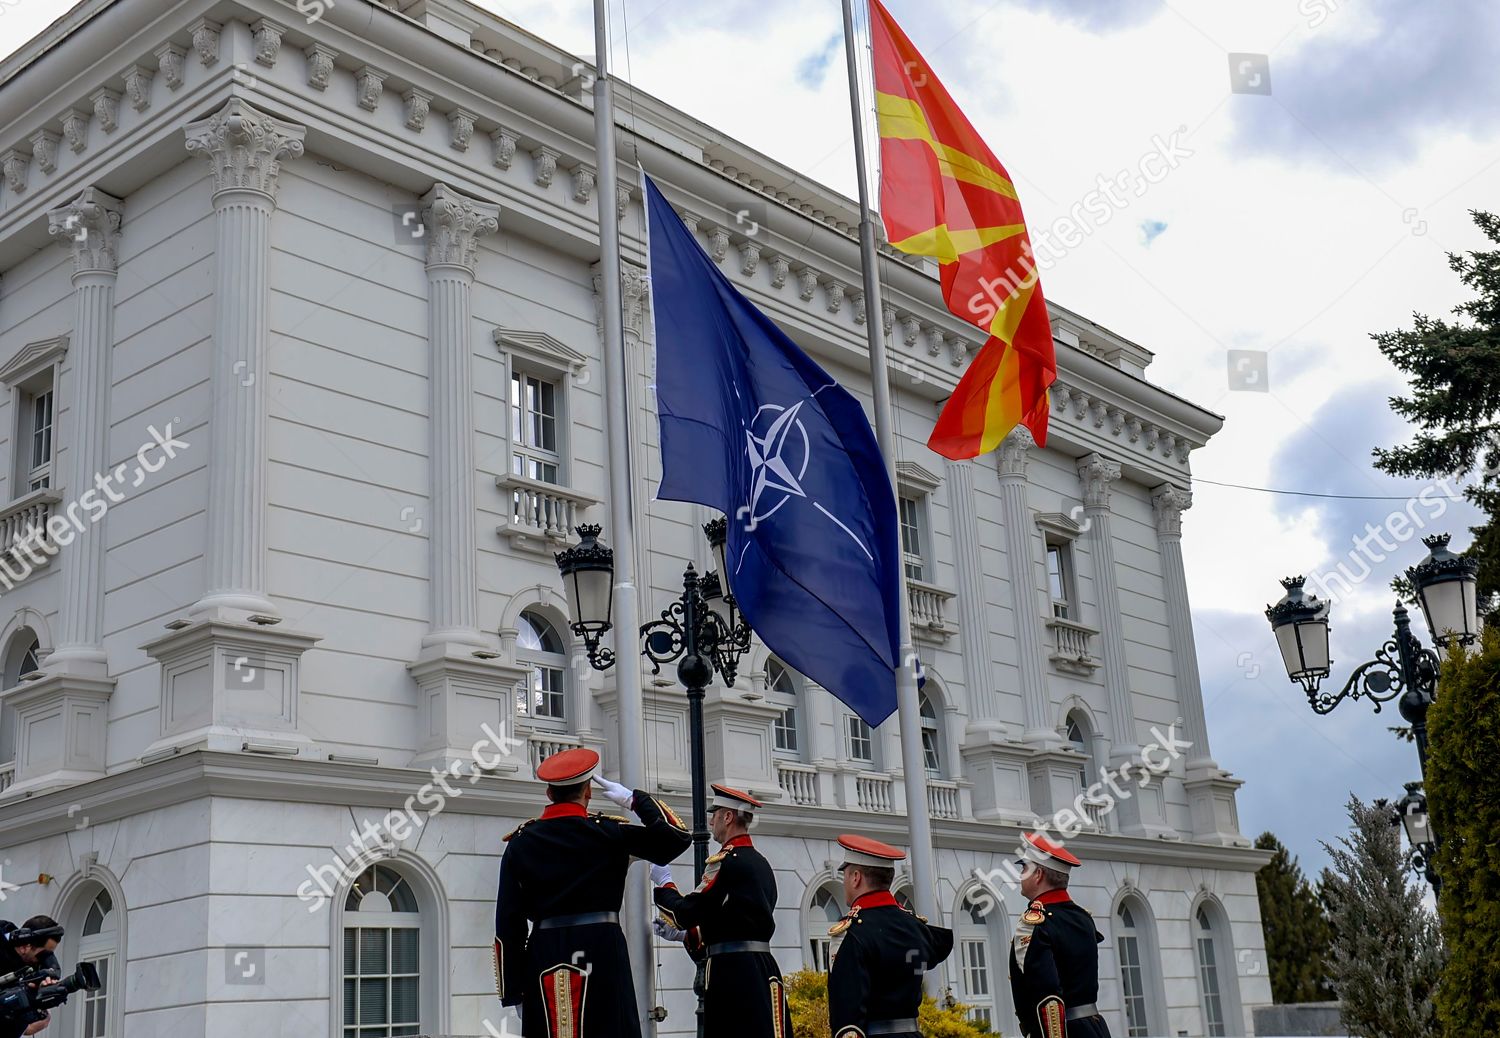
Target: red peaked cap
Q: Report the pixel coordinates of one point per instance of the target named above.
(861, 850)
(1061, 858)
(569, 767)
(729, 793)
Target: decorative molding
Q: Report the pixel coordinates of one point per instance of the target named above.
(138, 86)
(32, 358)
(75, 127)
(780, 268)
(15, 165)
(1014, 452)
(44, 150)
(454, 224)
(106, 108)
(460, 129)
(912, 476)
(911, 329)
(887, 318)
(835, 290)
(545, 165)
(319, 65)
(267, 38)
(1096, 473)
(958, 350)
(244, 146)
(718, 243)
(1168, 503)
(749, 258)
(936, 339)
(418, 104)
(505, 146)
(583, 183)
(1058, 524)
(539, 346)
(807, 281)
(206, 36)
(622, 199)
(857, 301)
(91, 223)
(369, 84)
(171, 61)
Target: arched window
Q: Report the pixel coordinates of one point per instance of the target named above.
(21, 658)
(1215, 981)
(99, 946)
(545, 699)
(980, 959)
(382, 957)
(94, 920)
(1132, 974)
(1080, 735)
(932, 737)
(826, 909)
(782, 690)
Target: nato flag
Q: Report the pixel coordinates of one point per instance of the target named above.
(750, 425)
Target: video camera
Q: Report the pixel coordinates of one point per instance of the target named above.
(26, 994)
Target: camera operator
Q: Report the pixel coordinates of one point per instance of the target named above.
(23, 953)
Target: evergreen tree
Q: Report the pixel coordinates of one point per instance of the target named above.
(1454, 399)
(1387, 951)
(1464, 808)
(1297, 934)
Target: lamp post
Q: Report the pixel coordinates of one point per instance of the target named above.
(702, 632)
(1403, 668)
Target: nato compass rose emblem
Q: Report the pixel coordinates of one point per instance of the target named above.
(779, 458)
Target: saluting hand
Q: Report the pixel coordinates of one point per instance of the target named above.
(615, 792)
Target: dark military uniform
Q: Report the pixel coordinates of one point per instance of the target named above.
(734, 907)
(875, 985)
(1054, 970)
(565, 872)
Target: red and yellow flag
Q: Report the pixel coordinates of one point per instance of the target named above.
(944, 194)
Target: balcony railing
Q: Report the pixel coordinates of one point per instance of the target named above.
(1096, 814)
(26, 519)
(1073, 646)
(799, 782)
(873, 793)
(7, 776)
(541, 745)
(928, 605)
(542, 515)
(942, 799)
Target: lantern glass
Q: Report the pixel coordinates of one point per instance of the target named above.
(1304, 647)
(713, 594)
(1447, 591)
(1413, 808)
(717, 532)
(588, 572)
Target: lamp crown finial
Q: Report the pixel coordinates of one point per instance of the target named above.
(1436, 541)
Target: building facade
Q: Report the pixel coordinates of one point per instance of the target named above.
(300, 338)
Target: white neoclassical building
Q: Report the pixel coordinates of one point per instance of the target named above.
(300, 345)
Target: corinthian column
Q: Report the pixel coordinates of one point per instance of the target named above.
(244, 148)
(1169, 503)
(90, 224)
(453, 224)
(1096, 473)
(1030, 654)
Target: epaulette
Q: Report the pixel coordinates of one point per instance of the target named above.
(600, 816)
(1033, 914)
(510, 835)
(844, 923)
(714, 859)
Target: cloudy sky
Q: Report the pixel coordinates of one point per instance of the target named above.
(1336, 147)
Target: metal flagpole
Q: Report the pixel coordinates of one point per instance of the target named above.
(913, 765)
(621, 508)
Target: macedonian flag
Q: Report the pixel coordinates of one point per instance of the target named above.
(944, 194)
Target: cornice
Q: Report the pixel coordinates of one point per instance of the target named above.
(198, 774)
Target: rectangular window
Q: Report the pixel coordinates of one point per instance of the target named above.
(96, 1003)
(1060, 579)
(1132, 982)
(1208, 972)
(861, 743)
(39, 452)
(822, 954)
(930, 756)
(976, 969)
(381, 977)
(913, 538)
(785, 727)
(546, 697)
(534, 428)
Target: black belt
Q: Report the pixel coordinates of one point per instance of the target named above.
(906, 1026)
(728, 947)
(557, 922)
(1083, 1012)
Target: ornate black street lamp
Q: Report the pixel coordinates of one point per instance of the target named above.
(1411, 815)
(702, 632)
(1403, 668)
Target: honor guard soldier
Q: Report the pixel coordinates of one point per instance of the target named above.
(565, 872)
(728, 921)
(875, 986)
(1054, 958)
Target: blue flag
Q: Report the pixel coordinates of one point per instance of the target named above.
(750, 425)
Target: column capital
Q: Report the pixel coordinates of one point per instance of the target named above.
(635, 289)
(1014, 452)
(454, 223)
(91, 225)
(244, 146)
(1096, 473)
(1169, 502)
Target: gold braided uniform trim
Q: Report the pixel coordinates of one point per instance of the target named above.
(671, 816)
(499, 968)
(778, 1009)
(851, 1032)
(1050, 1014)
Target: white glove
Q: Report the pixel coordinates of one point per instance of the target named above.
(661, 875)
(615, 792)
(666, 932)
